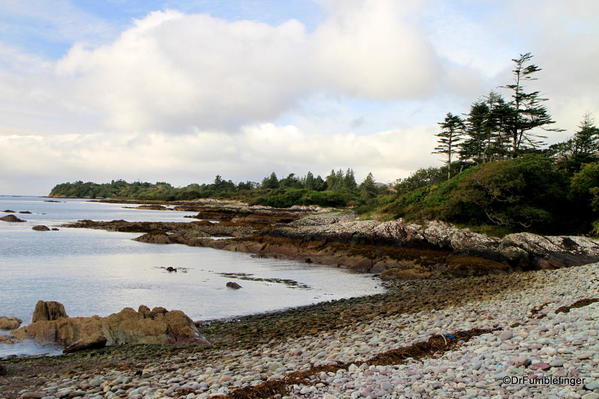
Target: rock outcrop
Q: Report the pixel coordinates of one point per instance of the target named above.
(40, 227)
(10, 323)
(414, 250)
(12, 219)
(48, 311)
(523, 250)
(127, 327)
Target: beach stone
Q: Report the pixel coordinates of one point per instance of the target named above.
(505, 335)
(591, 395)
(592, 386)
(32, 395)
(521, 362)
(540, 366)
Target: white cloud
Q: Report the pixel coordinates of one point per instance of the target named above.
(251, 154)
(369, 48)
(173, 71)
(182, 97)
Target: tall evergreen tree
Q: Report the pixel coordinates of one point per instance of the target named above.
(452, 129)
(349, 180)
(368, 188)
(309, 181)
(585, 143)
(271, 181)
(528, 111)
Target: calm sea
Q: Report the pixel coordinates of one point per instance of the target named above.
(98, 272)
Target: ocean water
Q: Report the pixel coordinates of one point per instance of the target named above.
(98, 272)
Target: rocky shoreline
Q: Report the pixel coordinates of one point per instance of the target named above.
(394, 249)
(515, 312)
(327, 350)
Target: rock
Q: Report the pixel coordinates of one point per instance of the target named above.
(54, 229)
(3, 370)
(8, 211)
(505, 335)
(32, 395)
(47, 311)
(591, 395)
(10, 323)
(549, 252)
(155, 237)
(540, 366)
(7, 339)
(521, 361)
(234, 285)
(592, 386)
(171, 269)
(11, 219)
(157, 326)
(40, 227)
(407, 274)
(25, 212)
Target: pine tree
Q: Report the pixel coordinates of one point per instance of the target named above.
(585, 143)
(271, 182)
(449, 137)
(368, 188)
(349, 180)
(309, 181)
(528, 111)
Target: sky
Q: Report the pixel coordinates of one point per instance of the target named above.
(182, 90)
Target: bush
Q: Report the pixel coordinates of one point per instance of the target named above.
(522, 193)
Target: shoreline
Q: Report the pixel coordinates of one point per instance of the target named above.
(440, 304)
(504, 324)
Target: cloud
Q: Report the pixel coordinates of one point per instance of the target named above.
(173, 71)
(253, 153)
(369, 48)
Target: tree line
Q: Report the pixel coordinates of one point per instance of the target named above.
(339, 188)
(497, 128)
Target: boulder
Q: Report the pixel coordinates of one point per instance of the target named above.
(234, 285)
(25, 212)
(127, 327)
(11, 219)
(8, 211)
(10, 323)
(40, 227)
(548, 252)
(48, 311)
(155, 237)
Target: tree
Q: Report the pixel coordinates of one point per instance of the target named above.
(309, 181)
(528, 111)
(451, 134)
(271, 182)
(349, 180)
(368, 188)
(586, 140)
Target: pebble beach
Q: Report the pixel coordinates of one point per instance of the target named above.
(525, 339)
